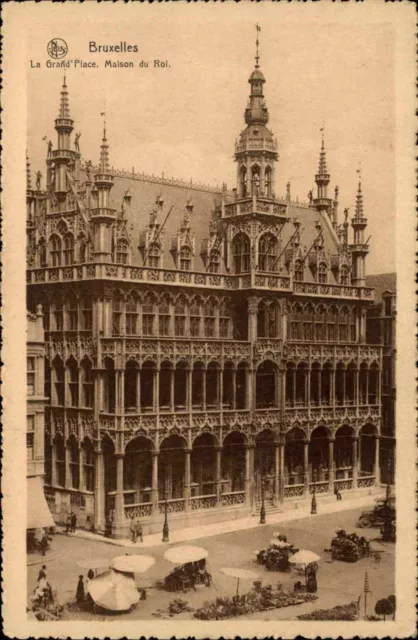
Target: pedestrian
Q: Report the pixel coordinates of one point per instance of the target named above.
(44, 543)
(42, 573)
(133, 530)
(68, 524)
(73, 522)
(139, 531)
(337, 494)
(79, 596)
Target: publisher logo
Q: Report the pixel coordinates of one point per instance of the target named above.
(57, 48)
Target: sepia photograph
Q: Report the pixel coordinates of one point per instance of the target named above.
(211, 320)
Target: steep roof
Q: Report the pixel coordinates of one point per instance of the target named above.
(381, 282)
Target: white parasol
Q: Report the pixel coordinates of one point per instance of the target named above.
(114, 591)
(133, 564)
(240, 574)
(97, 564)
(185, 553)
(304, 557)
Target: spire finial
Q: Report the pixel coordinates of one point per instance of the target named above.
(103, 114)
(257, 57)
(104, 148)
(359, 198)
(28, 177)
(64, 103)
(322, 155)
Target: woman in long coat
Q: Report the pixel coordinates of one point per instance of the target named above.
(79, 596)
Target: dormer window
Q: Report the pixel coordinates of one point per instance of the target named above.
(344, 276)
(214, 262)
(185, 259)
(241, 253)
(322, 273)
(298, 275)
(154, 255)
(122, 252)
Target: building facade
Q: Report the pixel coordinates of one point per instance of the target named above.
(203, 345)
(381, 329)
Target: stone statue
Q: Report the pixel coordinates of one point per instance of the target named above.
(77, 142)
(345, 215)
(38, 180)
(49, 147)
(310, 196)
(89, 167)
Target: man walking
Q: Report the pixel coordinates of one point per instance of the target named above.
(133, 530)
(139, 531)
(42, 573)
(73, 522)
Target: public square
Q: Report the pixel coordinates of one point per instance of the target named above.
(338, 582)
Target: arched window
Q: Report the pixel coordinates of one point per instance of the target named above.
(195, 319)
(308, 323)
(214, 262)
(57, 313)
(154, 255)
(71, 308)
(344, 273)
(224, 316)
(298, 274)
(87, 313)
(72, 378)
(131, 316)
(255, 180)
(55, 242)
(185, 259)
(88, 465)
(122, 252)
(320, 324)
(164, 316)
(343, 324)
(241, 253)
(296, 323)
(243, 182)
(322, 273)
(74, 463)
(87, 383)
(58, 376)
(180, 317)
(268, 181)
(210, 312)
(332, 324)
(267, 320)
(117, 314)
(148, 316)
(267, 252)
(68, 249)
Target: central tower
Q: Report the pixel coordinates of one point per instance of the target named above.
(256, 149)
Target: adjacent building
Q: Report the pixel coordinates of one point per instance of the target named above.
(202, 345)
(381, 329)
(38, 511)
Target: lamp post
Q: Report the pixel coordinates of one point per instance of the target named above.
(263, 508)
(166, 530)
(313, 503)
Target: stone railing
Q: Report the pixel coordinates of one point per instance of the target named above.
(232, 498)
(174, 349)
(173, 506)
(343, 485)
(333, 290)
(293, 491)
(203, 502)
(140, 510)
(320, 487)
(256, 205)
(334, 352)
(367, 481)
(255, 143)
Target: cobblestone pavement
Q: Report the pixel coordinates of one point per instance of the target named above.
(338, 582)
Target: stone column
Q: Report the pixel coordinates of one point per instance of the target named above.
(377, 461)
(252, 318)
(119, 499)
(99, 492)
(218, 475)
(276, 473)
(249, 472)
(186, 493)
(154, 491)
(234, 389)
(172, 389)
(332, 399)
(356, 388)
(308, 388)
(293, 386)
(67, 482)
(54, 464)
(189, 397)
(138, 391)
(249, 390)
(306, 468)
(355, 462)
(81, 478)
(281, 470)
(156, 398)
(344, 385)
(331, 464)
(204, 390)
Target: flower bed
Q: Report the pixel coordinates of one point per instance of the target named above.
(343, 612)
(258, 599)
(349, 547)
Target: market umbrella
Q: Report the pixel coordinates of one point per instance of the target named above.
(114, 592)
(240, 574)
(185, 553)
(304, 556)
(96, 564)
(133, 564)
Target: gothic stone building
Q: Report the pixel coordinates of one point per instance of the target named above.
(201, 344)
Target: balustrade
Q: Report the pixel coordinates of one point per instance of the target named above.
(294, 491)
(141, 510)
(320, 487)
(232, 498)
(203, 502)
(173, 506)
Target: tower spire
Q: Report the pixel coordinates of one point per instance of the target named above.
(359, 198)
(257, 56)
(322, 202)
(64, 111)
(104, 149)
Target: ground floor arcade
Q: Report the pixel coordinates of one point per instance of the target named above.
(101, 485)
